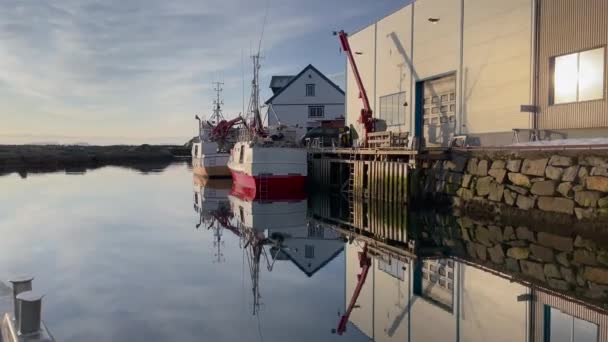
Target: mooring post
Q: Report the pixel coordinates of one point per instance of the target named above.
(30, 308)
(20, 284)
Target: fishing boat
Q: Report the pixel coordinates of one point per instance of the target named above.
(211, 150)
(267, 163)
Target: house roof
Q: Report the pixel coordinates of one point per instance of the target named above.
(313, 271)
(278, 82)
(294, 78)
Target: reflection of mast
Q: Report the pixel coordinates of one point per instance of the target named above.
(218, 243)
(255, 251)
(364, 262)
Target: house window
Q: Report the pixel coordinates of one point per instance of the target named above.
(316, 111)
(562, 327)
(392, 109)
(309, 251)
(578, 76)
(310, 90)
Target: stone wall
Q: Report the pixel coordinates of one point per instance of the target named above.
(571, 183)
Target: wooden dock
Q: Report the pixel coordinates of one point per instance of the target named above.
(370, 173)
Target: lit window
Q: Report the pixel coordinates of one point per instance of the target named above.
(316, 111)
(578, 76)
(310, 90)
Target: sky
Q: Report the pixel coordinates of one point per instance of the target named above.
(137, 71)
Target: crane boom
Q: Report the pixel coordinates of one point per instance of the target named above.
(364, 262)
(366, 117)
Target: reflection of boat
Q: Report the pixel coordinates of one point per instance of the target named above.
(210, 194)
(267, 163)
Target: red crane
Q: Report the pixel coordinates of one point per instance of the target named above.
(364, 262)
(221, 130)
(366, 117)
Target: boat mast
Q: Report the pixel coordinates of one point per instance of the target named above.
(254, 102)
(217, 115)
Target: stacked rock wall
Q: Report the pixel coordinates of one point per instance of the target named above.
(573, 183)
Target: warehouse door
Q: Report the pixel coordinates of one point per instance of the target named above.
(439, 111)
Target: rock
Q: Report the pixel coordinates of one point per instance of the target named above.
(565, 189)
(519, 179)
(597, 291)
(598, 183)
(524, 202)
(496, 253)
(472, 166)
(471, 250)
(562, 259)
(465, 222)
(495, 234)
(518, 253)
(602, 258)
(481, 251)
(568, 275)
(496, 191)
(580, 280)
(465, 194)
(587, 198)
(583, 213)
(544, 188)
(559, 284)
(512, 265)
(536, 179)
(482, 235)
(498, 164)
(533, 269)
(483, 186)
(581, 242)
(560, 161)
(603, 202)
(596, 275)
(556, 204)
(541, 253)
(578, 188)
(455, 178)
(584, 257)
(551, 271)
(517, 243)
(561, 243)
(570, 173)
(498, 174)
(599, 171)
(594, 161)
(514, 165)
(517, 189)
(458, 162)
(482, 168)
(524, 233)
(510, 197)
(466, 180)
(509, 233)
(583, 172)
(553, 172)
(534, 167)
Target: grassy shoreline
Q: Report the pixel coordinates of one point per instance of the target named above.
(49, 158)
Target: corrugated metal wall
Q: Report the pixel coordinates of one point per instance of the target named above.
(568, 26)
(569, 307)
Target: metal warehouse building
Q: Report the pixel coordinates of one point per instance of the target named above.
(484, 68)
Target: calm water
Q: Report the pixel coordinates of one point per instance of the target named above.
(120, 258)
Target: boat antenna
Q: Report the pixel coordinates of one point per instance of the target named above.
(217, 115)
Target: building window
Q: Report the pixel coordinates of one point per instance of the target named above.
(309, 251)
(392, 109)
(578, 76)
(310, 90)
(562, 327)
(434, 281)
(316, 111)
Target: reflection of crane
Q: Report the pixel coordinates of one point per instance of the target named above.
(365, 263)
(366, 117)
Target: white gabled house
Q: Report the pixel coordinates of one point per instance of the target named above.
(308, 100)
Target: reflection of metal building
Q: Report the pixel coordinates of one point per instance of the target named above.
(448, 300)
